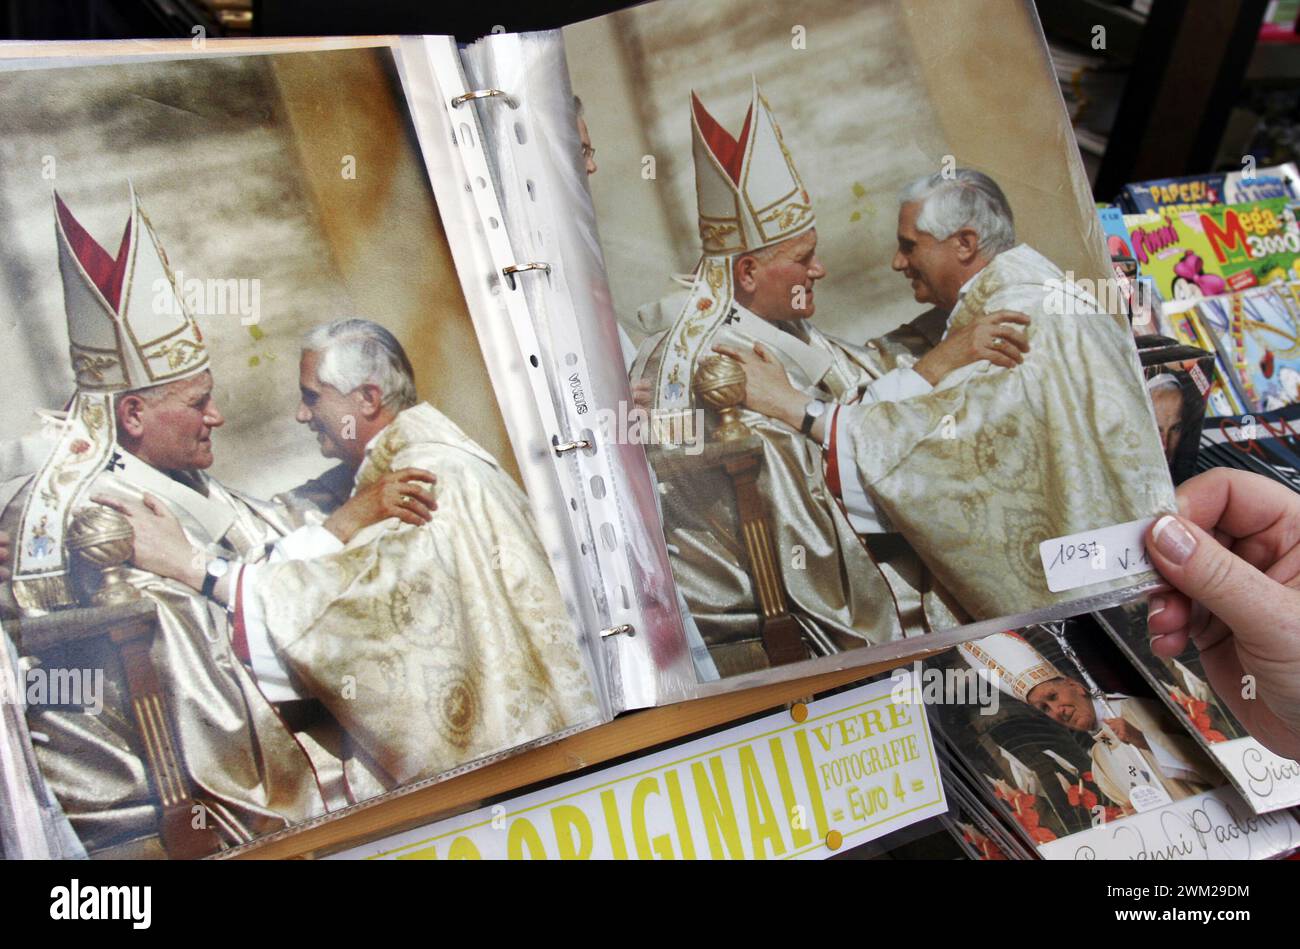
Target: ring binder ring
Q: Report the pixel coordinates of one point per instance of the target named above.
(620, 630)
(523, 268)
(458, 101)
(567, 447)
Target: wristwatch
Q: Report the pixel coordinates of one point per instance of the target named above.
(811, 413)
(214, 571)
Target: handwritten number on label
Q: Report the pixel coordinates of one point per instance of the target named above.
(1065, 553)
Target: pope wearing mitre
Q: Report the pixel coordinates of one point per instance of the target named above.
(1139, 755)
(137, 358)
(754, 284)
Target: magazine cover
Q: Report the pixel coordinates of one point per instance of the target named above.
(1081, 756)
(1182, 320)
(1200, 253)
(1118, 243)
(1127, 273)
(1178, 381)
(1270, 440)
(1197, 191)
(268, 560)
(1257, 334)
(1266, 781)
(851, 444)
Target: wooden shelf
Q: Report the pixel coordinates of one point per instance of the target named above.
(630, 734)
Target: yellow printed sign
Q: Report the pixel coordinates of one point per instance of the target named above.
(859, 766)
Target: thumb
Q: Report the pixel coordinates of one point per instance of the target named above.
(761, 352)
(1251, 604)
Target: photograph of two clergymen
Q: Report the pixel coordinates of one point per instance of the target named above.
(841, 189)
(292, 532)
(288, 528)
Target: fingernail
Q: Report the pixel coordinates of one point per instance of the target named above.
(1155, 605)
(1173, 540)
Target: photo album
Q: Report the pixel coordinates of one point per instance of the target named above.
(382, 406)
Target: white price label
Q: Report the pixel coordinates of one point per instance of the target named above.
(1148, 797)
(1107, 553)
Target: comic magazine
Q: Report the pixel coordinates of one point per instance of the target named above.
(1182, 321)
(1197, 191)
(1257, 335)
(1117, 237)
(1216, 249)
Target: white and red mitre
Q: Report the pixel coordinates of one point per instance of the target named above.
(750, 196)
(127, 326)
(128, 329)
(1015, 666)
(749, 192)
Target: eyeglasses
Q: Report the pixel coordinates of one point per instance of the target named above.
(588, 152)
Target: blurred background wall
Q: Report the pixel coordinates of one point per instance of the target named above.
(240, 164)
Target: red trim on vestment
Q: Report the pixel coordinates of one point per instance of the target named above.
(239, 635)
(833, 461)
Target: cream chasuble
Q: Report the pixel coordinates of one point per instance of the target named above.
(843, 594)
(978, 472)
(439, 644)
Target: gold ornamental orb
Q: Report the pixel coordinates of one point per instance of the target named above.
(720, 384)
(101, 536)
(102, 540)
